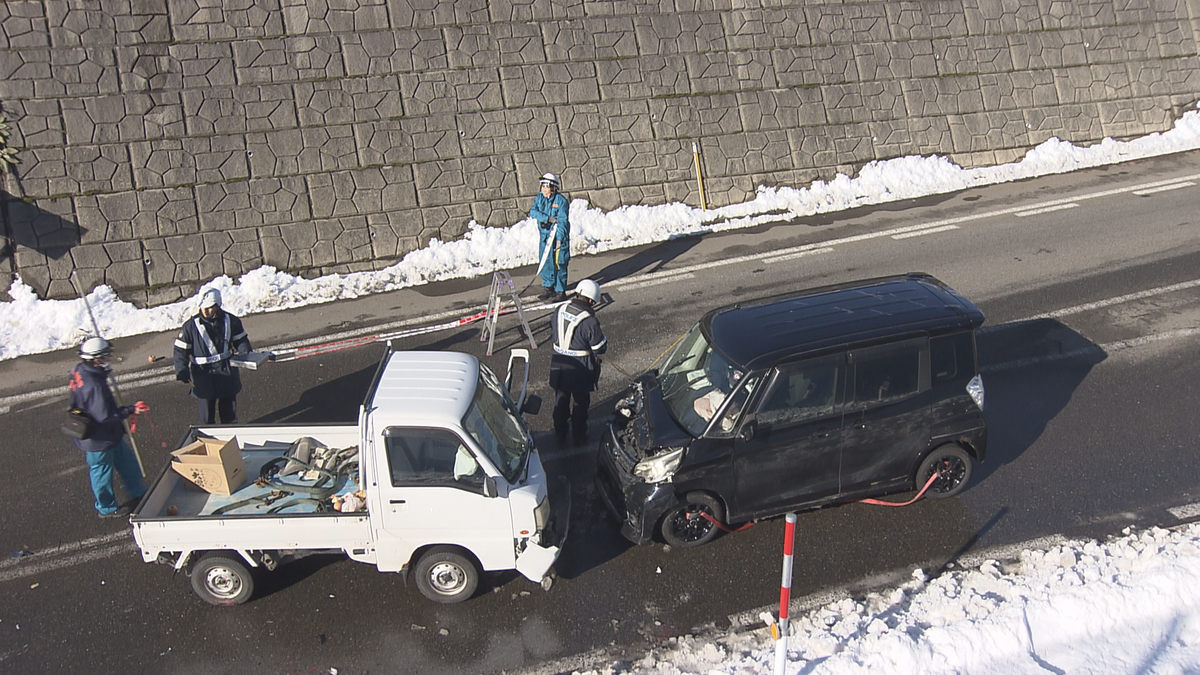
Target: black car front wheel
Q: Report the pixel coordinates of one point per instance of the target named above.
(952, 465)
(693, 522)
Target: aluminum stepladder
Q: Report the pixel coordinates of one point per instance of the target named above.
(503, 289)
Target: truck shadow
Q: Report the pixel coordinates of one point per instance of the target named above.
(1030, 370)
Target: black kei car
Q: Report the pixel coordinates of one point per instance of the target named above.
(798, 401)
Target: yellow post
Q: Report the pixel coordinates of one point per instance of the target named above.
(699, 177)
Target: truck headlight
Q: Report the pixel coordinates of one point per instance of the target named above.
(975, 389)
(660, 467)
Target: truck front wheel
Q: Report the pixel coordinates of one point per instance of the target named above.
(447, 576)
(222, 579)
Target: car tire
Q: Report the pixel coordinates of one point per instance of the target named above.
(446, 576)
(685, 525)
(222, 579)
(953, 466)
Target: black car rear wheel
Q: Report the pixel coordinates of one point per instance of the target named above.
(693, 522)
(952, 465)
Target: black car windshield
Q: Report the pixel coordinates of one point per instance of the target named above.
(494, 423)
(695, 381)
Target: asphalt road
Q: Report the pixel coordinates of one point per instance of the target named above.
(1090, 362)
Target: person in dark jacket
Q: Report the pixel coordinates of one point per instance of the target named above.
(575, 365)
(105, 448)
(202, 351)
(552, 213)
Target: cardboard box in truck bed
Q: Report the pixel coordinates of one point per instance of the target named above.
(213, 465)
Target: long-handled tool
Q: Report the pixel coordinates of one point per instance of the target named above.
(113, 381)
(538, 272)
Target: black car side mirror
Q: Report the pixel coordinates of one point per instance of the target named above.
(489, 487)
(746, 433)
(532, 405)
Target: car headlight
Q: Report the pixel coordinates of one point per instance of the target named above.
(660, 467)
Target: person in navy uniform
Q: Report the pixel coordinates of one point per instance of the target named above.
(575, 365)
(202, 351)
(105, 448)
(552, 213)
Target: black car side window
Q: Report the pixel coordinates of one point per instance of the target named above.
(890, 373)
(802, 391)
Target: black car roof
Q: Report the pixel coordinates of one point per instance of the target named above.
(757, 333)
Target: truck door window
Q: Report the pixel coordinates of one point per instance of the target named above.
(430, 457)
(802, 391)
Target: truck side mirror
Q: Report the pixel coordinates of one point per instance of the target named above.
(489, 487)
(532, 405)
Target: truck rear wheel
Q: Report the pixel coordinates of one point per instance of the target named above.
(222, 579)
(952, 465)
(447, 576)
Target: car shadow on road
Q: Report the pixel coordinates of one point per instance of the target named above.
(1030, 370)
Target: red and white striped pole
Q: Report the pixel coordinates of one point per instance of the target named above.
(785, 594)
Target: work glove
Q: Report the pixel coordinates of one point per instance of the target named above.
(141, 407)
(553, 221)
(183, 377)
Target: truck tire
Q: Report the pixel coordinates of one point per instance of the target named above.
(953, 466)
(686, 526)
(446, 575)
(222, 579)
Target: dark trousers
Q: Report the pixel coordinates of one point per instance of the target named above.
(578, 417)
(227, 407)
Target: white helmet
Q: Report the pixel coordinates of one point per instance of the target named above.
(212, 298)
(94, 348)
(550, 179)
(588, 289)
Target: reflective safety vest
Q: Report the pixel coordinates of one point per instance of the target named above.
(209, 346)
(565, 334)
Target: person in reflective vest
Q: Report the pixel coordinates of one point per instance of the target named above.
(575, 365)
(202, 351)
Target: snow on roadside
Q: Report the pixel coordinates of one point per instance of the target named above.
(1127, 605)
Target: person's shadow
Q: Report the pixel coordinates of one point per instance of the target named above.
(650, 259)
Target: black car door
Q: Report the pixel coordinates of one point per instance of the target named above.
(788, 451)
(887, 414)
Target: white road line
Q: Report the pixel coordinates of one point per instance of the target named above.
(1107, 348)
(66, 555)
(931, 230)
(669, 279)
(1163, 188)
(1181, 286)
(799, 254)
(1186, 511)
(1048, 209)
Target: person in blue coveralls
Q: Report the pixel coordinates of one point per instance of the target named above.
(105, 447)
(552, 213)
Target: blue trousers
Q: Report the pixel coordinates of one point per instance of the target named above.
(100, 468)
(554, 272)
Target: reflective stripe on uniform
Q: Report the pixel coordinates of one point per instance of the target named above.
(567, 323)
(213, 356)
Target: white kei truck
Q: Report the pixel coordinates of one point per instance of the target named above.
(441, 471)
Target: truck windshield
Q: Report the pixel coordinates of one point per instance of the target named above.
(695, 381)
(496, 426)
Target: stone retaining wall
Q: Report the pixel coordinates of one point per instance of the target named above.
(165, 142)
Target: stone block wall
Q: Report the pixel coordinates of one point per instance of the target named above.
(165, 142)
